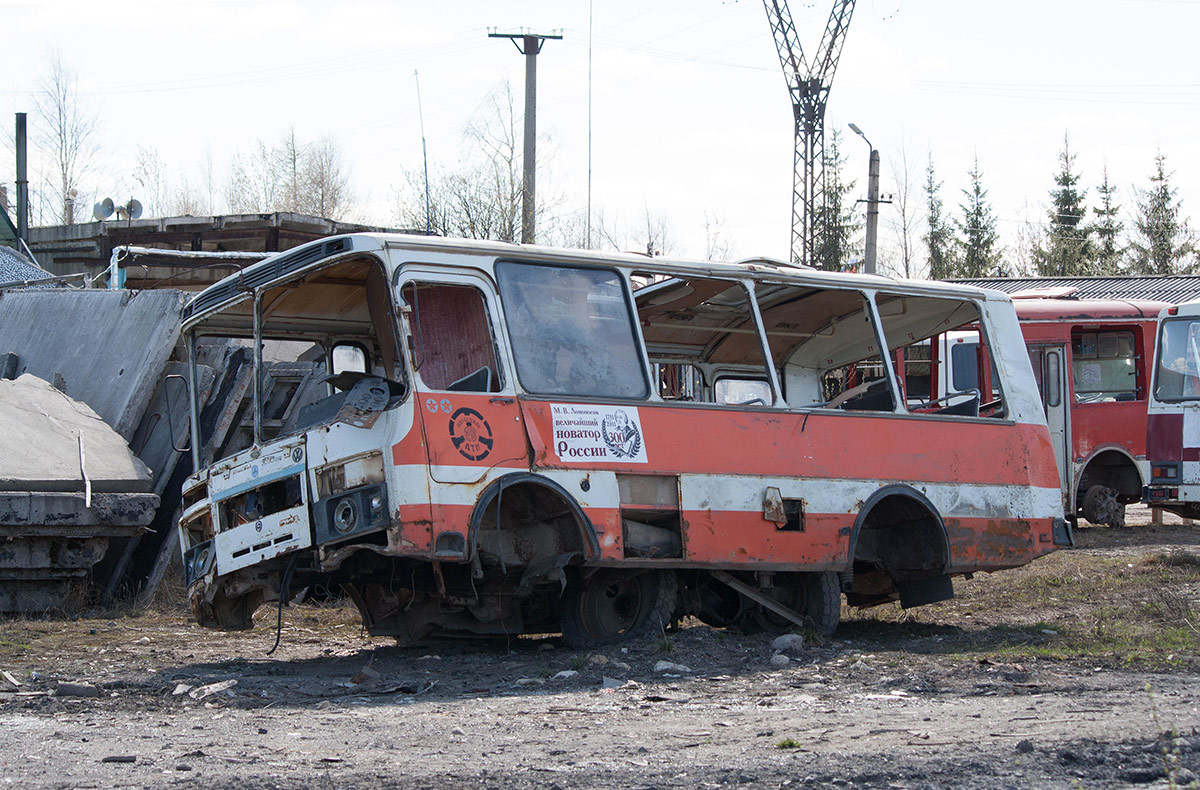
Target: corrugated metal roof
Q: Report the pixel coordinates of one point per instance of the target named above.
(1173, 288)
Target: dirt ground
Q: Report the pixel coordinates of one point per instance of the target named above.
(956, 698)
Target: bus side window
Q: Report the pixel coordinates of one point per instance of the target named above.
(1104, 365)
(709, 321)
(452, 348)
(911, 324)
(825, 346)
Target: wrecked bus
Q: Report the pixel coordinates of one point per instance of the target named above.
(1173, 424)
(508, 439)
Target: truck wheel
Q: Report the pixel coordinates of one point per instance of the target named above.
(816, 595)
(609, 606)
(1101, 506)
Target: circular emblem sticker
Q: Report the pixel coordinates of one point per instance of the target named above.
(471, 434)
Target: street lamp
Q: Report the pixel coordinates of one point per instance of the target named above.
(872, 201)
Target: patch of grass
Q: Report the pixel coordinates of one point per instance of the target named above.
(664, 646)
(1131, 610)
(788, 743)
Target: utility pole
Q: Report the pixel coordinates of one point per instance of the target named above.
(529, 45)
(872, 202)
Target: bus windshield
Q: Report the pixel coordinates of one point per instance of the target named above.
(1179, 361)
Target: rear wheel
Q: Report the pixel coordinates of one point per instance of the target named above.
(815, 595)
(609, 606)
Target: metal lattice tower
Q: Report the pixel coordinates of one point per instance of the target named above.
(809, 90)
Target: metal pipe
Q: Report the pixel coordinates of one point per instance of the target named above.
(258, 370)
(193, 405)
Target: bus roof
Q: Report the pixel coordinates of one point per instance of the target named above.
(281, 266)
(1087, 309)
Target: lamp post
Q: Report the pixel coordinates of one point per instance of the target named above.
(872, 202)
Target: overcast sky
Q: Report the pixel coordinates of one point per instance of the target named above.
(690, 117)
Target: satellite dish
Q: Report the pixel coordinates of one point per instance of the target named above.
(103, 210)
(133, 209)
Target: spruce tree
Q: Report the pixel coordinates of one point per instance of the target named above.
(1107, 249)
(835, 220)
(979, 252)
(1066, 251)
(939, 238)
(1163, 244)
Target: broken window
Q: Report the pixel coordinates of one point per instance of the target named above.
(824, 344)
(336, 317)
(925, 336)
(708, 326)
(571, 331)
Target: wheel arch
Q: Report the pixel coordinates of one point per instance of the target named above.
(1109, 463)
(494, 494)
(901, 492)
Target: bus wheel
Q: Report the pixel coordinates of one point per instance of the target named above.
(609, 606)
(1101, 506)
(815, 595)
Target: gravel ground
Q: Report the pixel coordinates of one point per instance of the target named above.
(162, 703)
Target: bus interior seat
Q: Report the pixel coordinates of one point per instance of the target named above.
(476, 381)
(967, 408)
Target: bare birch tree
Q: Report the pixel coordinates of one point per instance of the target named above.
(66, 132)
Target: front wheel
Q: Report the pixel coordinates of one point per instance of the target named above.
(1101, 506)
(609, 606)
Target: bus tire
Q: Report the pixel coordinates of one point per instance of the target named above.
(816, 595)
(1101, 506)
(610, 606)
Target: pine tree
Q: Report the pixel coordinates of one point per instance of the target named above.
(1067, 250)
(1164, 243)
(939, 239)
(836, 222)
(1107, 249)
(979, 253)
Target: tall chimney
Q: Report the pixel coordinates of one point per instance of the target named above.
(22, 183)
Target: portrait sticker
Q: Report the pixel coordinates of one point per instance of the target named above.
(591, 434)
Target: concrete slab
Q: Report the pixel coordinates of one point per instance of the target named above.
(43, 432)
(110, 347)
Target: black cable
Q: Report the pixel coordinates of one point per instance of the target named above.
(284, 586)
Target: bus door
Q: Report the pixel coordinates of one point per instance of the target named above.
(467, 406)
(1050, 370)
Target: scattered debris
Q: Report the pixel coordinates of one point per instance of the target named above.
(65, 689)
(667, 666)
(788, 643)
(212, 688)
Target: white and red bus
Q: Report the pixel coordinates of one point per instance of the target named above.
(1173, 428)
(526, 440)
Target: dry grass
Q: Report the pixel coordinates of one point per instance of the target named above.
(1131, 609)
